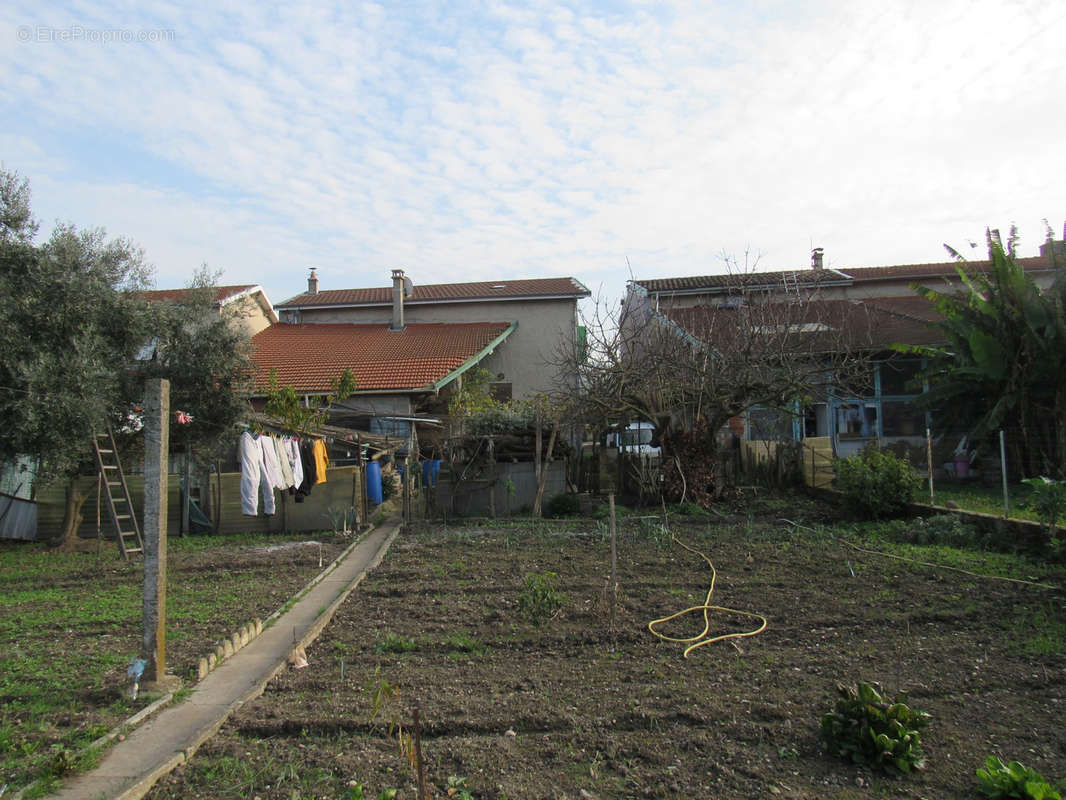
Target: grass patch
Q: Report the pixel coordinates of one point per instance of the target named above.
(985, 500)
(395, 644)
(71, 622)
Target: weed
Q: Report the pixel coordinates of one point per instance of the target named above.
(868, 729)
(539, 601)
(457, 788)
(355, 792)
(461, 642)
(999, 780)
(395, 643)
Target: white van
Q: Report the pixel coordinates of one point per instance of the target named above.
(636, 439)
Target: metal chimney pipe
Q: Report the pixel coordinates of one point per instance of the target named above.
(397, 300)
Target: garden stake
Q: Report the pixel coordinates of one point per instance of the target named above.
(423, 790)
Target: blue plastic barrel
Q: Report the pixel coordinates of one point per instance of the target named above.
(373, 482)
(436, 470)
(427, 473)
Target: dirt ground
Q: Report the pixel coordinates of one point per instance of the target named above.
(574, 709)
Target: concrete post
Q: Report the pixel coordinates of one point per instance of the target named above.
(156, 445)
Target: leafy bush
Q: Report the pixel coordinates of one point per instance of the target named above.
(539, 600)
(875, 483)
(1048, 500)
(563, 505)
(1014, 780)
(868, 729)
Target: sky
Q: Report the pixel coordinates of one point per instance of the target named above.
(466, 141)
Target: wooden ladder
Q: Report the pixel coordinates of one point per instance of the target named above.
(109, 469)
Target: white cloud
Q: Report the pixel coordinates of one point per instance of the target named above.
(481, 139)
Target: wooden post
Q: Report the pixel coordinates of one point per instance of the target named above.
(492, 478)
(543, 479)
(1003, 472)
(929, 461)
(538, 439)
(156, 445)
(614, 561)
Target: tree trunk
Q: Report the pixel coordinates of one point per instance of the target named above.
(72, 516)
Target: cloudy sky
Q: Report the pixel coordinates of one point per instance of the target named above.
(487, 140)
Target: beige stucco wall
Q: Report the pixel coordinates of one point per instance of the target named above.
(248, 313)
(524, 358)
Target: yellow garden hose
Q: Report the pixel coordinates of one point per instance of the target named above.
(702, 638)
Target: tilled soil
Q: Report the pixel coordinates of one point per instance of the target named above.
(577, 708)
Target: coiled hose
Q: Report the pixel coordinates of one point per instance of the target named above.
(702, 639)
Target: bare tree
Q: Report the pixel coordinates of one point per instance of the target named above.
(691, 369)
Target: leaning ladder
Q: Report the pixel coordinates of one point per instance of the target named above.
(109, 469)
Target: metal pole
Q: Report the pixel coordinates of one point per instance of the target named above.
(1003, 472)
(929, 461)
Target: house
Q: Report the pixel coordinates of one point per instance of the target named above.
(868, 309)
(408, 345)
(245, 305)
(543, 312)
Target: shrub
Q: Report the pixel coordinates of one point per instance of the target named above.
(538, 600)
(867, 729)
(563, 505)
(1048, 500)
(875, 483)
(1014, 780)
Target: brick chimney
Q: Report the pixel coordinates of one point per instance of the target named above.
(816, 258)
(312, 282)
(397, 300)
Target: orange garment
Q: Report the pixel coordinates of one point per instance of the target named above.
(321, 460)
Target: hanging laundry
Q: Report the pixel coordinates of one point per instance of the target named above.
(321, 461)
(283, 462)
(292, 445)
(254, 476)
(307, 459)
(270, 459)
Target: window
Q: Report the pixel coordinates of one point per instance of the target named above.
(898, 376)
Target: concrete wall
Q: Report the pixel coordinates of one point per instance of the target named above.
(339, 493)
(471, 496)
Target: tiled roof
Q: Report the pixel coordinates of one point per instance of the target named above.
(309, 357)
(222, 293)
(444, 292)
(826, 324)
(716, 284)
(936, 270)
(745, 280)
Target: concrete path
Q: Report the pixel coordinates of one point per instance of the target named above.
(131, 767)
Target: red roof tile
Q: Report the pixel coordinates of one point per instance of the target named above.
(309, 357)
(445, 292)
